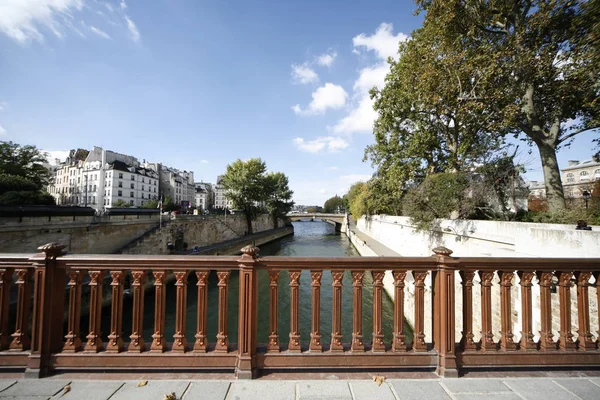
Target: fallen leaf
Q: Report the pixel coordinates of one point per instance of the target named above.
(66, 390)
(171, 396)
(142, 383)
(378, 379)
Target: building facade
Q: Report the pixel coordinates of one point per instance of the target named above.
(580, 176)
(221, 200)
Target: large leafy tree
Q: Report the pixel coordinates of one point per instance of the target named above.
(544, 61)
(244, 183)
(332, 204)
(279, 201)
(27, 162)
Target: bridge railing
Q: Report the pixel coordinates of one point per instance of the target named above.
(51, 336)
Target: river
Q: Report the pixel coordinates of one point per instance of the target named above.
(311, 239)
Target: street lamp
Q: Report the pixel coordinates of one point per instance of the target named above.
(586, 196)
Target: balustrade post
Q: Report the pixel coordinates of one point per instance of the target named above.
(72, 339)
(115, 339)
(273, 345)
(159, 344)
(137, 324)
(357, 333)
(585, 340)
(467, 342)
(597, 277)
(419, 331)
(447, 320)
(336, 315)
(6, 275)
(487, 337)
(506, 342)
(248, 314)
(378, 345)
(546, 338)
(94, 343)
(399, 343)
(527, 342)
(21, 341)
(48, 310)
(315, 332)
(222, 345)
(201, 341)
(294, 343)
(565, 336)
(180, 341)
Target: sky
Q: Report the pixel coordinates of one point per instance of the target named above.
(198, 84)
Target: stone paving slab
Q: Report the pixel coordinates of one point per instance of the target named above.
(534, 389)
(583, 388)
(207, 390)
(330, 390)
(419, 390)
(44, 388)
(262, 390)
(6, 383)
(154, 390)
(470, 385)
(90, 390)
(365, 390)
(488, 396)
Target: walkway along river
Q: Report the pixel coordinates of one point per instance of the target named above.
(312, 239)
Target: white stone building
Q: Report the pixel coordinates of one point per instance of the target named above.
(221, 200)
(580, 176)
(204, 196)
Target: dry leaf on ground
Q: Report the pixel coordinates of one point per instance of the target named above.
(142, 383)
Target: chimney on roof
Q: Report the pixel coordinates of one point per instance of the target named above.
(573, 162)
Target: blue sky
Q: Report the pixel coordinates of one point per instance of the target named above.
(198, 84)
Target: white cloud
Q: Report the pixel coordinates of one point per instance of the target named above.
(333, 168)
(383, 41)
(331, 144)
(327, 59)
(362, 116)
(325, 97)
(99, 32)
(109, 7)
(2, 131)
(61, 155)
(3, 105)
(303, 74)
(22, 20)
(204, 161)
(123, 5)
(133, 30)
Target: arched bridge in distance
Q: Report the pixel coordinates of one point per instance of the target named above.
(334, 219)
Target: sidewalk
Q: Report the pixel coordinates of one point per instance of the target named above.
(368, 241)
(392, 389)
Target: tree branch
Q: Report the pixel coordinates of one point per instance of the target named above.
(570, 135)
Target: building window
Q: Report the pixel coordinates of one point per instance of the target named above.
(120, 193)
(583, 176)
(143, 188)
(142, 202)
(132, 186)
(94, 188)
(130, 194)
(120, 175)
(570, 177)
(120, 184)
(142, 179)
(131, 202)
(132, 177)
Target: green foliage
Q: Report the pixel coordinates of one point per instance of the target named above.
(591, 216)
(19, 198)
(279, 201)
(150, 204)
(333, 204)
(121, 204)
(439, 196)
(11, 183)
(168, 205)
(357, 197)
(24, 161)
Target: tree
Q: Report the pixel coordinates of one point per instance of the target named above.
(150, 204)
(25, 161)
(168, 204)
(279, 201)
(121, 204)
(543, 58)
(244, 182)
(333, 204)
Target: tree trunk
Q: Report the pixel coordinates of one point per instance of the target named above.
(249, 222)
(552, 181)
(275, 222)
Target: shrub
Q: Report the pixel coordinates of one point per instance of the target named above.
(21, 198)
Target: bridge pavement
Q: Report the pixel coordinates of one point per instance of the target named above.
(530, 388)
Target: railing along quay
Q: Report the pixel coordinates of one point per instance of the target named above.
(42, 278)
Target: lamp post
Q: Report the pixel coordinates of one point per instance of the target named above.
(586, 196)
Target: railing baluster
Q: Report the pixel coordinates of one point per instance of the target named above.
(357, 333)
(180, 342)
(378, 345)
(419, 332)
(399, 343)
(137, 324)
(21, 340)
(506, 342)
(487, 337)
(294, 343)
(159, 343)
(115, 339)
(72, 340)
(222, 345)
(5, 281)
(565, 341)
(94, 343)
(597, 276)
(527, 342)
(315, 333)
(273, 311)
(585, 341)
(546, 337)
(201, 341)
(467, 342)
(336, 324)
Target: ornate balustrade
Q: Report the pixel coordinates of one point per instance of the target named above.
(57, 341)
